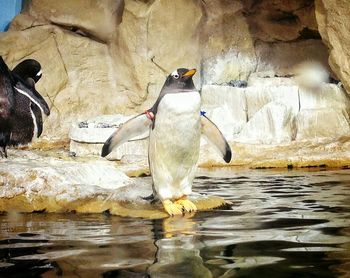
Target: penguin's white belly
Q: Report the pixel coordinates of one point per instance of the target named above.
(174, 144)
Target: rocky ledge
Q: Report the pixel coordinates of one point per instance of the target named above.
(51, 181)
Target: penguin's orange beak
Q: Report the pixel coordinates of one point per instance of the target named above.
(190, 72)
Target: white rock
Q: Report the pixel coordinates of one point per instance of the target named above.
(258, 96)
(62, 179)
(139, 147)
(322, 122)
(328, 96)
(258, 80)
(96, 130)
(88, 137)
(273, 124)
(233, 65)
(226, 107)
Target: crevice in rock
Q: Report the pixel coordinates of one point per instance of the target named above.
(307, 34)
(79, 31)
(285, 18)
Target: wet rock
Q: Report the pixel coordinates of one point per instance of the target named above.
(37, 182)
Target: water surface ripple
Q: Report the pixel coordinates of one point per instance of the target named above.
(280, 224)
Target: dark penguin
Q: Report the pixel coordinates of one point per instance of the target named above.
(12, 84)
(27, 118)
(6, 106)
(175, 124)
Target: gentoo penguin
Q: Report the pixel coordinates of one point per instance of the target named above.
(10, 85)
(27, 118)
(175, 123)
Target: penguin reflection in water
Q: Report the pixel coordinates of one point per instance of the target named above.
(20, 104)
(175, 124)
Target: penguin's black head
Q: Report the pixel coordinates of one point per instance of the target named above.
(28, 69)
(181, 79)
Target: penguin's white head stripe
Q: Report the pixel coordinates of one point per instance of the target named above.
(28, 96)
(39, 73)
(175, 74)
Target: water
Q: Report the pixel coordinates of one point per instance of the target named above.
(280, 224)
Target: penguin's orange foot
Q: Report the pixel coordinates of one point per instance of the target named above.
(172, 208)
(187, 205)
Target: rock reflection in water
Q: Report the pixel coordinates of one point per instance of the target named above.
(281, 224)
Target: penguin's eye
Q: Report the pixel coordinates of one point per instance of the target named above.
(176, 76)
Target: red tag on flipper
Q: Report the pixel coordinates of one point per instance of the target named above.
(149, 115)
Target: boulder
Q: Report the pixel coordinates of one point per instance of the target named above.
(87, 137)
(322, 123)
(259, 96)
(327, 96)
(273, 124)
(226, 107)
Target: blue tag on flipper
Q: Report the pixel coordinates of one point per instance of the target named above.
(203, 113)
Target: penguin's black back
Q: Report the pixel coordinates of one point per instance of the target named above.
(6, 105)
(23, 122)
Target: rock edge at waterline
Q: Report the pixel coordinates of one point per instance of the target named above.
(35, 182)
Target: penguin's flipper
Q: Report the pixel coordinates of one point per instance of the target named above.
(214, 135)
(129, 130)
(33, 95)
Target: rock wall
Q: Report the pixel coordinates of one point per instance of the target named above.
(108, 57)
(334, 25)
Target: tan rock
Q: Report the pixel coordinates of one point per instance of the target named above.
(227, 46)
(151, 31)
(98, 19)
(334, 24)
(279, 20)
(282, 57)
